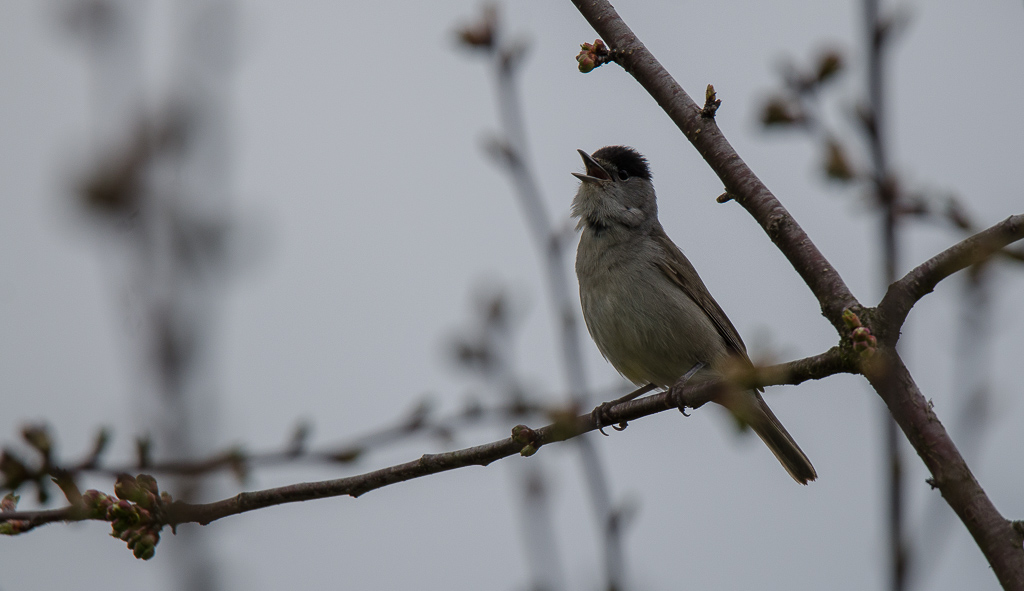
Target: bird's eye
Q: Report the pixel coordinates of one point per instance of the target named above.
(623, 175)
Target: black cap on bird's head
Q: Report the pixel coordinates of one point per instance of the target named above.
(614, 163)
(616, 190)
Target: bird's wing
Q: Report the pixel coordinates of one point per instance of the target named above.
(678, 269)
(752, 412)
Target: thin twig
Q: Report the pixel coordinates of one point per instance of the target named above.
(524, 439)
(903, 294)
(416, 422)
(552, 252)
(887, 199)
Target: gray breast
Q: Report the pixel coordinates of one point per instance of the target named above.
(647, 327)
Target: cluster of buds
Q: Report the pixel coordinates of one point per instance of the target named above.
(593, 55)
(864, 342)
(134, 514)
(16, 526)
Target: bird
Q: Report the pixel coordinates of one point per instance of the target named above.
(645, 306)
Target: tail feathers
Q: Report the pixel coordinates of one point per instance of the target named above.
(764, 422)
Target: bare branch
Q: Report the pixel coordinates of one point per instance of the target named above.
(524, 441)
(417, 421)
(903, 294)
(740, 182)
(1000, 542)
(29, 520)
(511, 152)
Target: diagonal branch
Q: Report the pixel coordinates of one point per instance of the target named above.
(995, 536)
(740, 181)
(903, 294)
(524, 441)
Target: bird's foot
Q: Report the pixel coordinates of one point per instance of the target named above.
(601, 415)
(602, 420)
(677, 388)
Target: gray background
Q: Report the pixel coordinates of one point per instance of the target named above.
(356, 160)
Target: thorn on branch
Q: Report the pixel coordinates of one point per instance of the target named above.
(711, 103)
(725, 197)
(594, 55)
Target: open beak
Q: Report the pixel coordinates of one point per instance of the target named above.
(595, 172)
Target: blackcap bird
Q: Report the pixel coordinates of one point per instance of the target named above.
(644, 304)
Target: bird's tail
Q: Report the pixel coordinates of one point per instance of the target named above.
(755, 412)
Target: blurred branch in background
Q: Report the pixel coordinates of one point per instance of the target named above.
(168, 186)
(487, 349)
(886, 192)
(509, 150)
(37, 461)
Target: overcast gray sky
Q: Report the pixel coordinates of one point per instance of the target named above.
(356, 165)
